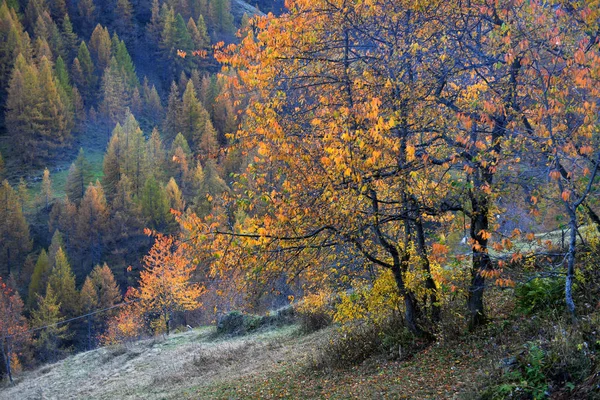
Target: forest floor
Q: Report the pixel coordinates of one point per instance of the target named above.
(272, 364)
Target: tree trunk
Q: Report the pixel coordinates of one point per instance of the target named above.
(571, 264)
(481, 260)
(6, 359)
(429, 282)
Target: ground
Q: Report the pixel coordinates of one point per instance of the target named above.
(273, 364)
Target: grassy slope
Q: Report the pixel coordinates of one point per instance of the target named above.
(194, 365)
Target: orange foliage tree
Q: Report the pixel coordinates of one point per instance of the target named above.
(14, 335)
(165, 285)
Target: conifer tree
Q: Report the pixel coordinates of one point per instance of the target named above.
(115, 97)
(88, 297)
(100, 48)
(86, 15)
(112, 163)
(133, 149)
(174, 114)
(92, 223)
(1, 167)
(153, 109)
(15, 242)
(52, 335)
(208, 146)
(105, 285)
(46, 191)
(78, 178)
(69, 38)
(155, 26)
(123, 21)
(219, 16)
(88, 300)
(175, 196)
(56, 243)
(23, 195)
(62, 75)
(62, 283)
(58, 9)
(194, 117)
(155, 155)
(198, 34)
(83, 73)
(155, 205)
(39, 279)
(78, 108)
(14, 42)
(125, 63)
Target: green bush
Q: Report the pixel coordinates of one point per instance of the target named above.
(540, 294)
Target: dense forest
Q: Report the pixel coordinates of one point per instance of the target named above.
(417, 167)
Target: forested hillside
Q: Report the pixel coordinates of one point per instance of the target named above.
(408, 171)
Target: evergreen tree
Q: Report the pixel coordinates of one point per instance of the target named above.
(62, 75)
(69, 38)
(125, 64)
(53, 335)
(115, 97)
(83, 74)
(62, 283)
(198, 34)
(155, 155)
(15, 242)
(155, 205)
(155, 26)
(78, 178)
(174, 114)
(194, 117)
(134, 153)
(39, 279)
(1, 167)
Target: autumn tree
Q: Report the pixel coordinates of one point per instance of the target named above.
(92, 224)
(165, 285)
(14, 334)
(78, 178)
(46, 192)
(15, 241)
(62, 284)
(39, 279)
(52, 334)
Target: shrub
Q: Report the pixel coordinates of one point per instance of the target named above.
(315, 312)
(540, 294)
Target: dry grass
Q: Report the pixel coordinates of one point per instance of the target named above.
(158, 369)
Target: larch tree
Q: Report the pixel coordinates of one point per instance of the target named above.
(52, 333)
(39, 279)
(92, 224)
(46, 192)
(78, 178)
(100, 48)
(15, 241)
(62, 283)
(165, 281)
